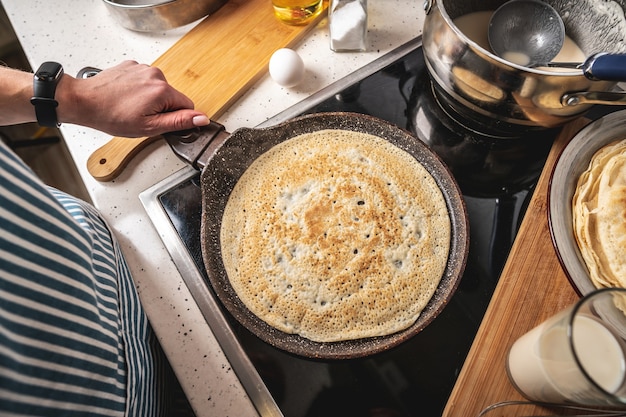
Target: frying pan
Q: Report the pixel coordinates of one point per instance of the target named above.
(223, 158)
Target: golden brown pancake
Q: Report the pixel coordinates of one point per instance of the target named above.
(599, 216)
(336, 235)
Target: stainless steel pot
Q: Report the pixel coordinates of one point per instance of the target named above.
(156, 15)
(474, 81)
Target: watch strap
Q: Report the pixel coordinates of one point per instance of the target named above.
(45, 111)
(45, 82)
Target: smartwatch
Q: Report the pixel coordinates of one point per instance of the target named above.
(45, 83)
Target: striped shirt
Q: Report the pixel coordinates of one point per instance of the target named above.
(74, 340)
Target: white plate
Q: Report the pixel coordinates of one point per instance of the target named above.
(572, 162)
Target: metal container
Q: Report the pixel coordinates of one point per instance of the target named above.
(476, 82)
(155, 15)
(347, 20)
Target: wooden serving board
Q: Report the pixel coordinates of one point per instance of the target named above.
(213, 64)
(532, 288)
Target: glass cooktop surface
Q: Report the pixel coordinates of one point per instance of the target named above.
(415, 378)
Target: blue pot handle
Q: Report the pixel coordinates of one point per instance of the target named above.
(604, 66)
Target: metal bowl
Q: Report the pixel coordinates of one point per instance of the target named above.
(155, 15)
(572, 162)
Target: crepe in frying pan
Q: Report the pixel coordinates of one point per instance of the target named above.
(599, 216)
(336, 235)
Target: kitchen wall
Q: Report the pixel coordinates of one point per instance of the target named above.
(43, 149)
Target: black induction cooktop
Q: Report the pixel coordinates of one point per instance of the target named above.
(414, 379)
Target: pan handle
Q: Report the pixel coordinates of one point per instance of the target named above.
(612, 98)
(196, 146)
(88, 72)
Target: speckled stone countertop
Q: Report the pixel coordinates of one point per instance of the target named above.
(82, 33)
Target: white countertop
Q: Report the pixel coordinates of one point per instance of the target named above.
(82, 33)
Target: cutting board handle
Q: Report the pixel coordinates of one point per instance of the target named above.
(108, 161)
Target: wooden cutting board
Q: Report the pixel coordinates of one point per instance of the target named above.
(532, 288)
(213, 64)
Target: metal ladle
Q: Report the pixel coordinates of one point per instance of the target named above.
(531, 33)
(526, 32)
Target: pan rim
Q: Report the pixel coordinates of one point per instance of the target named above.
(219, 175)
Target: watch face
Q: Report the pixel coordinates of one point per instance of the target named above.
(49, 71)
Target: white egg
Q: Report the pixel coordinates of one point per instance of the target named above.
(286, 67)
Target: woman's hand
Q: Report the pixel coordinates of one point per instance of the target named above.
(129, 99)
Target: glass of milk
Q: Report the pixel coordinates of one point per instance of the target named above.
(577, 356)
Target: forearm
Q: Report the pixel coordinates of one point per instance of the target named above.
(16, 89)
(129, 99)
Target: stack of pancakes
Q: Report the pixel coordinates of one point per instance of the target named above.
(336, 235)
(599, 216)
